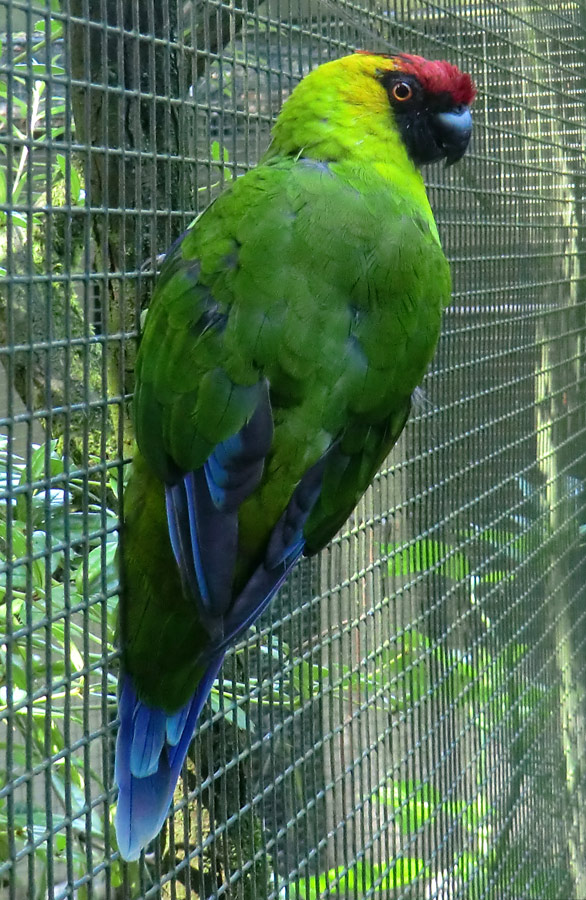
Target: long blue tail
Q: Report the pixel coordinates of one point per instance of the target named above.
(150, 751)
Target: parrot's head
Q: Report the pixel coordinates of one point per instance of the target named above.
(430, 102)
(378, 107)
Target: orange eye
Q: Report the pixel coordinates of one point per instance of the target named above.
(402, 91)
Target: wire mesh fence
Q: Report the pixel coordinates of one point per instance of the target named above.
(407, 720)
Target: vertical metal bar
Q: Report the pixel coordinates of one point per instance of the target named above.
(9, 364)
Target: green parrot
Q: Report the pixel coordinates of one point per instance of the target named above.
(288, 330)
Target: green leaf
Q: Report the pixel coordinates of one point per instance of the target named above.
(56, 464)
(91, 581)
(62, 790)
(18, 220)
(414, 802)
(494, 577)
(425, 555)
(74, 180)
(22, 550)
(75, 185)
(35, 68)
(77, 527)
(19, 543)
(56, 28)
(307, 678)
(37, 473)
(116, 874)
(401, 664)
(232, 711)
(357, 879)
(405, 871)
(18, 678)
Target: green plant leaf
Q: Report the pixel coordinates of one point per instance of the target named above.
(36, 68)
(18, 220)
(360, 877)
(92, 581)
(74, 179)
(424, 555)
(55, 27)
(414, 802)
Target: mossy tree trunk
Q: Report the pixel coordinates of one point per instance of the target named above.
(127, 68)
(560, 423)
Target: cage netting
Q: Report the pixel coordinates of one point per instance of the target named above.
(408, 719)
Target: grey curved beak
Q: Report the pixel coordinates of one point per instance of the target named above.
(453, 131)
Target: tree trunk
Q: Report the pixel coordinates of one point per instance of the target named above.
(127, 68)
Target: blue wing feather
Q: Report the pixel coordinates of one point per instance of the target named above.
(214, 543)
(179, 535)
(285, 546)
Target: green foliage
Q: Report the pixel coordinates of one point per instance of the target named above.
(20, 184)
(360, 877)
(483, 684)
(219, 161)
(425, 555)
(57, 605)
(39, 236)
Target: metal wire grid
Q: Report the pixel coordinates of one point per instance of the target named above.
(407, 721)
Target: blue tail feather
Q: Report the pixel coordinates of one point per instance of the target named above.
(175, 725)
(144, 799)
(149, 737)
